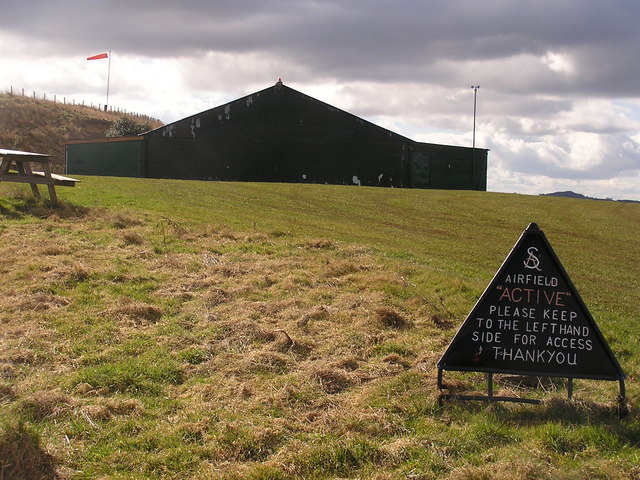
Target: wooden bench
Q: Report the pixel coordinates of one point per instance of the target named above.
(15, 166)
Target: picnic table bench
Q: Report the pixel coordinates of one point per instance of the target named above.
(15, 166)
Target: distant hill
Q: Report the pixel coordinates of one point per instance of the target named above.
(43, 126)
(570, 194)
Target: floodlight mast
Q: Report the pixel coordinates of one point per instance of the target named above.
(475, 95)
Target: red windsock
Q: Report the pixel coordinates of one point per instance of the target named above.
(98, 57)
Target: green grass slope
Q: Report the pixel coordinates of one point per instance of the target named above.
(178, 329)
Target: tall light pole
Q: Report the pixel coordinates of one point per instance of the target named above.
(475, 95)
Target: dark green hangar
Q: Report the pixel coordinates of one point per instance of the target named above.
(282, 135)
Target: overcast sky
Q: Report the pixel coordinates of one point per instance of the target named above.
(558, 104)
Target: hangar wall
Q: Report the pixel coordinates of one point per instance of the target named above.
(281, 135)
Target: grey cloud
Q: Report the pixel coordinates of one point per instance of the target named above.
(379, 40)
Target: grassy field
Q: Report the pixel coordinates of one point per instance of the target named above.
(186, 330)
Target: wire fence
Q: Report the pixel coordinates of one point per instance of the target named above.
(73, 102)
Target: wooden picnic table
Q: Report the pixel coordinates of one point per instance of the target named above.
(22, 172)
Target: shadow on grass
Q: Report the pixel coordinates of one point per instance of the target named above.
(18, 204)
(571, 412)
(22, 456)
(570, 417)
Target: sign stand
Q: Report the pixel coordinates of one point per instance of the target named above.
(531, 321)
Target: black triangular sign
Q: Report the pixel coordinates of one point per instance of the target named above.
(530, 320)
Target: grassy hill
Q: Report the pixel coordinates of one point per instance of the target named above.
(43, 126)
(178, 329)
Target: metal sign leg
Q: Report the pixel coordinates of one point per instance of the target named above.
(623, 409)
(569, 388)
(490, 386)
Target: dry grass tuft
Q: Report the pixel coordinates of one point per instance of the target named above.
(395, 359)
(70, 274)
(46, 404)
(507, 471)
(215, 297)
(125, 220)
(132, 238)
(472, 473)
(7, 370)
(6, 393)
(391, 319)
(245, 333)
(136, 312)
(24, 356)
(340, 269)
(530, 382)
(54, 250)
(84, 389)
(231, 270)
(333, 380)
(286, 344)
(319, 313)
(349, 364)
(457, 386)
(441, 323)
(110, 408)
(266, 361)
(321, 243)
(40, 301)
